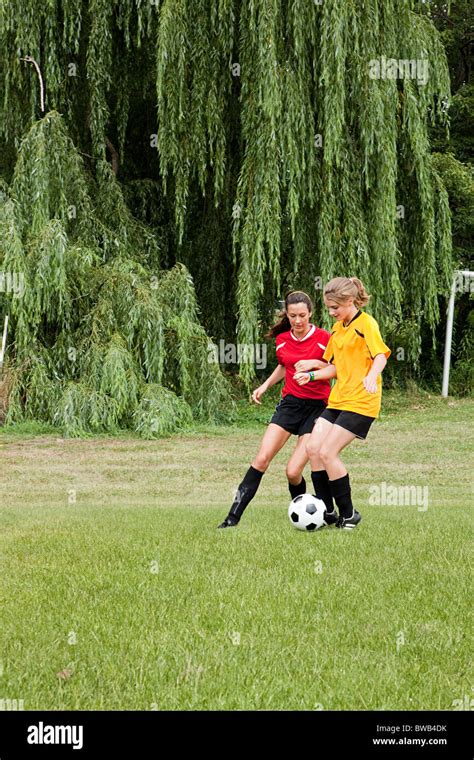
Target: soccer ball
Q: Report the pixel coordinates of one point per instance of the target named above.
(306, 512)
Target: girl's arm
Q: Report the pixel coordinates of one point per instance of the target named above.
(370, 382)
(304, 365)
(327, 373)
(277, 375)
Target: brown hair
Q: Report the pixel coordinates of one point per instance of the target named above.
(339, 289)
(283, 324)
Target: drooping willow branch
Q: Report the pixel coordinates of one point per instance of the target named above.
(102, 338)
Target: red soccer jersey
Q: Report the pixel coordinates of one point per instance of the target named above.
(290, 350)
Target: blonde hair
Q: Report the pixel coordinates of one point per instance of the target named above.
(339, 289)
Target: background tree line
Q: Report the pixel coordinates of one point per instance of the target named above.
(195, 160)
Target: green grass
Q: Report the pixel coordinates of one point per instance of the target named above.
(167, 612)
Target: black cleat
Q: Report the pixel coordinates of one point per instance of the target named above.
(349, 523)
(331, 518)
(229, 522)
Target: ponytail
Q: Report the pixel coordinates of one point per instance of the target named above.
(283, 325)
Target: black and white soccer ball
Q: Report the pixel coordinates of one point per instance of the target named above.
(306, 512)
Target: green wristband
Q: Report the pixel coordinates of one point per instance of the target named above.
(311, 376)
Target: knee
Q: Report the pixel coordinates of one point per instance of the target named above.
(326, 454)
(312, 448)
(261, 461)
(293, 473)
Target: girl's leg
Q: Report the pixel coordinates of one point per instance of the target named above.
(339, 483)
(274, 438)
(295, 467)
(319, 476)
(336, 440)
(319, 433)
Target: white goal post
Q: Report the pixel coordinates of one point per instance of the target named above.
(460, 277)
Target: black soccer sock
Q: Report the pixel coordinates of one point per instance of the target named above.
(341, 490)
(322, 489)
(245, 493)
(297, 490)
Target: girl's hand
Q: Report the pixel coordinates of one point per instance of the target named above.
(301, 377)
(258, 393)
(370, 385)
(304, 365)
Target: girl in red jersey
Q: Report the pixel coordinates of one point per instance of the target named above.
(297, 341)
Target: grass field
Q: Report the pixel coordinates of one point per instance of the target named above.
(118, 592)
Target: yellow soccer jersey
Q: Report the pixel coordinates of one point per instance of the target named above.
(352, 350)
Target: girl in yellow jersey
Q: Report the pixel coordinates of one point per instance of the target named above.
(357, 355)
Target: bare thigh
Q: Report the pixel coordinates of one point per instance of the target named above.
(322, 428)
(335, 441)
(273, 440)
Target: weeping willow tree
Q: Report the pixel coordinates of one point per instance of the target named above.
(330, 152)
(104, 339)
(285, 142)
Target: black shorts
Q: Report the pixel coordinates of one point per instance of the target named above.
(297, 415)
(358, 424)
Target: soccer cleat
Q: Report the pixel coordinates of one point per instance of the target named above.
(228, 523)
(349, 523)
(331, 518)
